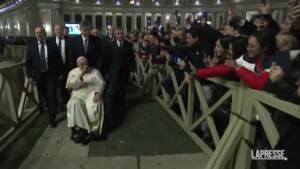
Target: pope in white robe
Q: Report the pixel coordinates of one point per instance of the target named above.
(85, 107)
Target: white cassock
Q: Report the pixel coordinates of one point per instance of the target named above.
(81, 109)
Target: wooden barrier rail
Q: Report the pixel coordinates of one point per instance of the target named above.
(19, 98)
(232, 150)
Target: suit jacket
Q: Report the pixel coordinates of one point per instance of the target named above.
(122, 60)
(107, 38)
(67, 66)
(94, 51)
(32, 60)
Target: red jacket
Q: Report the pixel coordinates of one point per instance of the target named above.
(252, 79)
(215, 71)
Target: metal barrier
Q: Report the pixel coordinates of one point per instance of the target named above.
(19, 98)
(232, 150)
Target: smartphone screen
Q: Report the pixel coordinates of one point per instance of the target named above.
(177, 60)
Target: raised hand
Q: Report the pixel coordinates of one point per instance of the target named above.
(188, 78)
(291, 3)
(97, 97)
(232, 63)
(276, 73)
(233, 12)
(208, 61)
(296, 12)
(265, 8)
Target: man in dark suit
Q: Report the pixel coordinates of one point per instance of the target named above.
(109, 37)
(43, 66)
(63, 44)
(121, 61)
(87, 45)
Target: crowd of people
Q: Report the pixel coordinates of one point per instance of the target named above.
(92, 71)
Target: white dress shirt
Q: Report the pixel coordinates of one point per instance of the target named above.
(120, 43)
(87, 42)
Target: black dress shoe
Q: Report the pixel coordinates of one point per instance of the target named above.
(74, 137)
(53, 124)
(77, 139)
(86, 140)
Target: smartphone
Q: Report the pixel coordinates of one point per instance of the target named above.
(177, 60)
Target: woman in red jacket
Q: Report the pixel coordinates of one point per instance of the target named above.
(236, 47)
(261, 48)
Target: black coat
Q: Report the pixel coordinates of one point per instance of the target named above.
(121, 62)
(67, 66)
(55, 65)
(108, 38)
(94, 51)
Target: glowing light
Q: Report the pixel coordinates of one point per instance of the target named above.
(118, 2)
(11, 5)
(77, 1)
(98, 2)
(197, 3)
(168, 17)
(176, 3)
(131, 2)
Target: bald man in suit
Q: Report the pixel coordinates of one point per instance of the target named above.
(43, 66)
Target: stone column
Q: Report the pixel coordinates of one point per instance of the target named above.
(73, 17)
(152, 18)
(94, 20)
(163, 20)
(133, 24)
(103, 23)
(114, 20)
(143, 21)
(124, 23)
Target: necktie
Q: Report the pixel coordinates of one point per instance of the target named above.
(85, 45)
(43, 64)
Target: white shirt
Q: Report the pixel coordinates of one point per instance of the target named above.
(84, 38)
(63, 52)
(87, 43)
(119, 43)
(46, 51)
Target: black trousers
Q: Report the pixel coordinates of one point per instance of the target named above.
(47, 87)
(115, 110)
(63, 91)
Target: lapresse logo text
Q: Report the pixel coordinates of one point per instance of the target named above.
(268, 155)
